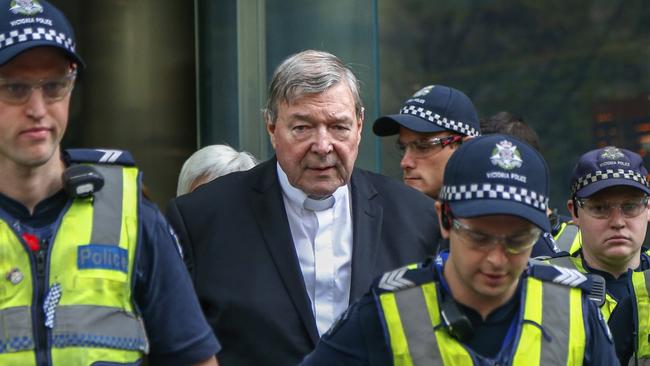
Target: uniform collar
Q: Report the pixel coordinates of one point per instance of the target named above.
(45, 212)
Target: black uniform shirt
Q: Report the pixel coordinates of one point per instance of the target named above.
(621, 322)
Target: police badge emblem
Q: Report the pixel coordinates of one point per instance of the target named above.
(611, 153)
(506, 155)
(25, 7)
(422, 92)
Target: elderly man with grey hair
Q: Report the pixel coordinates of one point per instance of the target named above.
(278, 252)
(209, 163)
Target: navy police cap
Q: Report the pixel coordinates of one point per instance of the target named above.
(434, 108)
(606, 167)
(26, 24)
(497, 175)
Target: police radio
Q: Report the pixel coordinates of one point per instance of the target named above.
(456, 322)
(81, 181)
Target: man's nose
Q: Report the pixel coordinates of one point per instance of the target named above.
(323, 142)
(616, 218)
(497, 254)
(36, 105)
(407, 160)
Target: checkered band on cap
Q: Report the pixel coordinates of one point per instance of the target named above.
(30, 34)
(433, 117)
(494, 191)
(601, 175)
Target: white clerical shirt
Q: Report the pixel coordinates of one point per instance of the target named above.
(323, 242)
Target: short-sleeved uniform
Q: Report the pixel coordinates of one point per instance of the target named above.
(176, 328)
(359, 338)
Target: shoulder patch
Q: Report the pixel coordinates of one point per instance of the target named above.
(395, 281)
(405, 277)
(569, 277)
(99, 156)
(592, 284)
(560, 275)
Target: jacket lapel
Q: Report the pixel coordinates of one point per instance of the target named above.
(270, 215)
(367, 219)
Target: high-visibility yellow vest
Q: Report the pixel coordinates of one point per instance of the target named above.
(413, 320)
(640, 285)
(568, 238)
(90, 265)
(575, 262)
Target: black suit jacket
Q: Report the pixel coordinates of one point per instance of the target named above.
(238, 247)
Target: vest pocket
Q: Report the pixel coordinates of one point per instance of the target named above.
(95, 290)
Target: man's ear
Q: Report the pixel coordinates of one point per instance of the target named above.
(361, 118)
(570, 206)
(444, 231)
(270, 128)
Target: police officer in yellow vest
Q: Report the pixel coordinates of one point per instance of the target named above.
(480, 303)
(609, 203)
(567, 236)
(89, 271)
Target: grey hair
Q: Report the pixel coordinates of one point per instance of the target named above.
(309, 72)
(212, 162)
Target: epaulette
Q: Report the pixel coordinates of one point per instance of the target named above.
(592, 284)
(405, 277)
(98, 156)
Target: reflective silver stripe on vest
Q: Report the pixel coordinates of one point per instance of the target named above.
(98, 326)
(16, 330)
(565, 241)
(565, 262)
(555, 322)
(107, 212)
(418, 330)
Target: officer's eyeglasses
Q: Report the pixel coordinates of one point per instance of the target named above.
(513, 244)
(603, 209)
(422, 147)
(15, 91)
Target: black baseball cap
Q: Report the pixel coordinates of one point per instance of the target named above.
(497, 175)
(606, 167)
(26, 24)
(434, 108)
